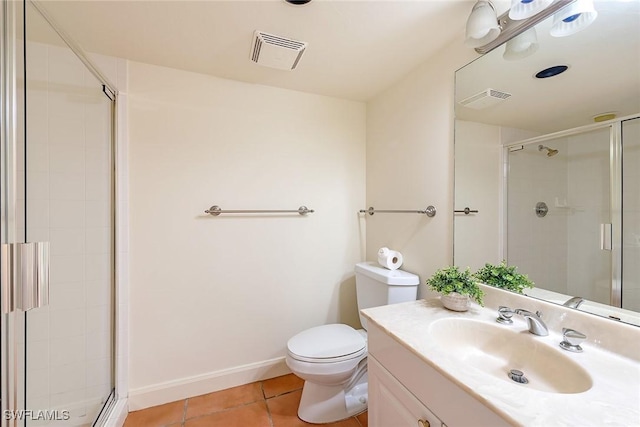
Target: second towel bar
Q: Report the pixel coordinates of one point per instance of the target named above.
(466, 211)
(430, 211)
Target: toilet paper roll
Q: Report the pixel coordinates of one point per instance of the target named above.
(389, 259)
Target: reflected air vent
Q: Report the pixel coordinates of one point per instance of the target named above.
(484, 99)
(275, 51)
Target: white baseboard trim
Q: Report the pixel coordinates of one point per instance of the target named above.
(183, 388)
(118, 414)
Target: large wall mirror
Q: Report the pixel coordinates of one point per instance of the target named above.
(552, 165)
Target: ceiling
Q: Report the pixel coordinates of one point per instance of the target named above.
(356, 48)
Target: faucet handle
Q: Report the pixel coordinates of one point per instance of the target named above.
(571, 340)
(504, 315)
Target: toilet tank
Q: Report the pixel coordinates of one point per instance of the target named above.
(376, 286)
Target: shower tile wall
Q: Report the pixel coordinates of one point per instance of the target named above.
(68, 196)
(631, 215)
(538, 246)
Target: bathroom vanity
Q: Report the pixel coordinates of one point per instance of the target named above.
(406, 391)
(429, 366)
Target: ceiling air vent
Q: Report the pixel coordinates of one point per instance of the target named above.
(484, 99)
(275, 51)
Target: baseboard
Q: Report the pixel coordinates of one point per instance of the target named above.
(171, 391)
(118, 414)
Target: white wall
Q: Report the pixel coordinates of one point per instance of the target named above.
(479, 179)
(410, 163)
(215, 299)
(478, 185)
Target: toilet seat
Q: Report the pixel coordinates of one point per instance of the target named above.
(327, 344)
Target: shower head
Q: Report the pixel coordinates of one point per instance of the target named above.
(550, 151)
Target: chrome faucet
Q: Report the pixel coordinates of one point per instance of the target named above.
(573, 302)
(536, 325)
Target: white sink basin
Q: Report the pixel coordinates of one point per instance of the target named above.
(496, 349)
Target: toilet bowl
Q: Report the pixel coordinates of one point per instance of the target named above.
(332, 359)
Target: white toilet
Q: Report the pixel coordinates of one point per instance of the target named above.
(332, 359)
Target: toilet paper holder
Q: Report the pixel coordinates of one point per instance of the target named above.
(430, 211)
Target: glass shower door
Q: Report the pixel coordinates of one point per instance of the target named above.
(559, 214)
(68, 199)
(631, 214)
(588, 206)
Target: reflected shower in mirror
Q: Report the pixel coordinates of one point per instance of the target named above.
(551, 164)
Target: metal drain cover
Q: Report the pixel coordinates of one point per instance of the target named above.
(518, 376)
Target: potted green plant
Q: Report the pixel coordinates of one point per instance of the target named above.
(456, 287)
(504, 277)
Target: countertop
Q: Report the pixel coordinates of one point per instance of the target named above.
(613, 399)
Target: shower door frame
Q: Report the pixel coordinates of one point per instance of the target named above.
(615, 190)
(12, 322)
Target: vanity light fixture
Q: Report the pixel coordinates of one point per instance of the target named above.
(482, 24)
(511, 28)
(524, 9)
(524, 45)
(575, 17)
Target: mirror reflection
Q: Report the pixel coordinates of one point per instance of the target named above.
(551, 164)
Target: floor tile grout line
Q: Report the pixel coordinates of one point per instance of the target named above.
(282, 394)
(225, 409)
(184, 411)
(264, 396)
(266, 405)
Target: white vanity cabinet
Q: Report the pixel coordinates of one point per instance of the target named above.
(392, 405)
(404, 390)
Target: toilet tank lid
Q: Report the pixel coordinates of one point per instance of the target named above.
(390, 277)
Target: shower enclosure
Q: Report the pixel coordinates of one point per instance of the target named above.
(57, 227)
(573, 212)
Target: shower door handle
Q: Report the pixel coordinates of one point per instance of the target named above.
(605, 237)
(25, 276)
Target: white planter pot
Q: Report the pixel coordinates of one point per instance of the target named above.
(456, 302)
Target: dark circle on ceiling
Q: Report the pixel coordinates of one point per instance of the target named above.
(298, 2)
(551, 71)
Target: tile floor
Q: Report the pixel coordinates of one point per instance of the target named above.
(269, 403)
